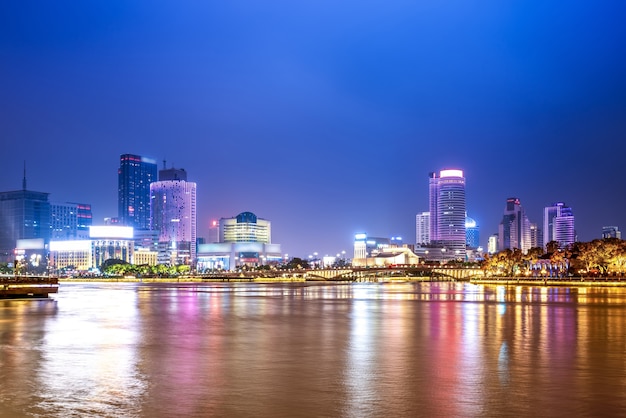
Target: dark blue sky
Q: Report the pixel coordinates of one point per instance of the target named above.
(324, 117)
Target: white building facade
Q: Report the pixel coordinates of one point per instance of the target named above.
(422, 228)
(558, 225)
(104, 243)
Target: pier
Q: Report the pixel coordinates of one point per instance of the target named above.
(12, 287)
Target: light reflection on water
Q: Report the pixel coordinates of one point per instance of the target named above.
(353, 350)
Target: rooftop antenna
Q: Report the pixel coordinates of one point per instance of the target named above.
(164, 165)
(24, 179)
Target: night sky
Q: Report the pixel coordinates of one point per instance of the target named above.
(324, 117)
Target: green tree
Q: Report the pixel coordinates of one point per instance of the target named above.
(297, 263)
(110, 262)
(183, 269)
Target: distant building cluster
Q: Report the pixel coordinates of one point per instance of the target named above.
(516, 231)
(378, 252)
(156, 224)
(445, 232)
(441, 233)
(243, 240)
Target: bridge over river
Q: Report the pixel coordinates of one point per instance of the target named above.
(358, 274)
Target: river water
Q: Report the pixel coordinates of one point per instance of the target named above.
(314, 350)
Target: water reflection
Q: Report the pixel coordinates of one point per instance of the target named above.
(401, 349)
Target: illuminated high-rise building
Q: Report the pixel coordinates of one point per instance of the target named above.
(492, 244)
(422, 228)
(536, 236)
(24, 215)
(472, 233)
(245, 227)
(558, 225)
(173, 214)
(514, 230)
(243, 240)
(134, 177)
(447, 212)
(70, 221)
(611, 232)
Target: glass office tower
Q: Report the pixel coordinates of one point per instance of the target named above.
(24, 215)
(135, 175)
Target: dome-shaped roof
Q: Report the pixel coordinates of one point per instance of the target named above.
(246, 217)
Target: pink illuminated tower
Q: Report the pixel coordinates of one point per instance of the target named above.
(447, 212)
(173, 214)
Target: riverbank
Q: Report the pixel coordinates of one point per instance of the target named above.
(502, 281)
(569, 282)
(184, 280)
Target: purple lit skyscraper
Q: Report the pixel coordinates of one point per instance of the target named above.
(447, 212)
(558, 225)
(173, 214)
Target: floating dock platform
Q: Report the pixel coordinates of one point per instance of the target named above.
(12, 287)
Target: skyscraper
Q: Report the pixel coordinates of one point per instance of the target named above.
(173, 214)
(492, 244)
(422, 228)
(558, 225)
(24, 215)
(536, 236)
(472, 233)
(134, 177)
(70, 220)
(447, 212)
(611, 232)
(514, 230)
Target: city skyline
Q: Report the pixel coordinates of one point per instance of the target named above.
(566, 233)
(323, 119)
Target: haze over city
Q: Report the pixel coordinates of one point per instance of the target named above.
(323, 118)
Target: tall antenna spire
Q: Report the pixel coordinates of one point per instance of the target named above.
(164, 165)
(24, 179)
